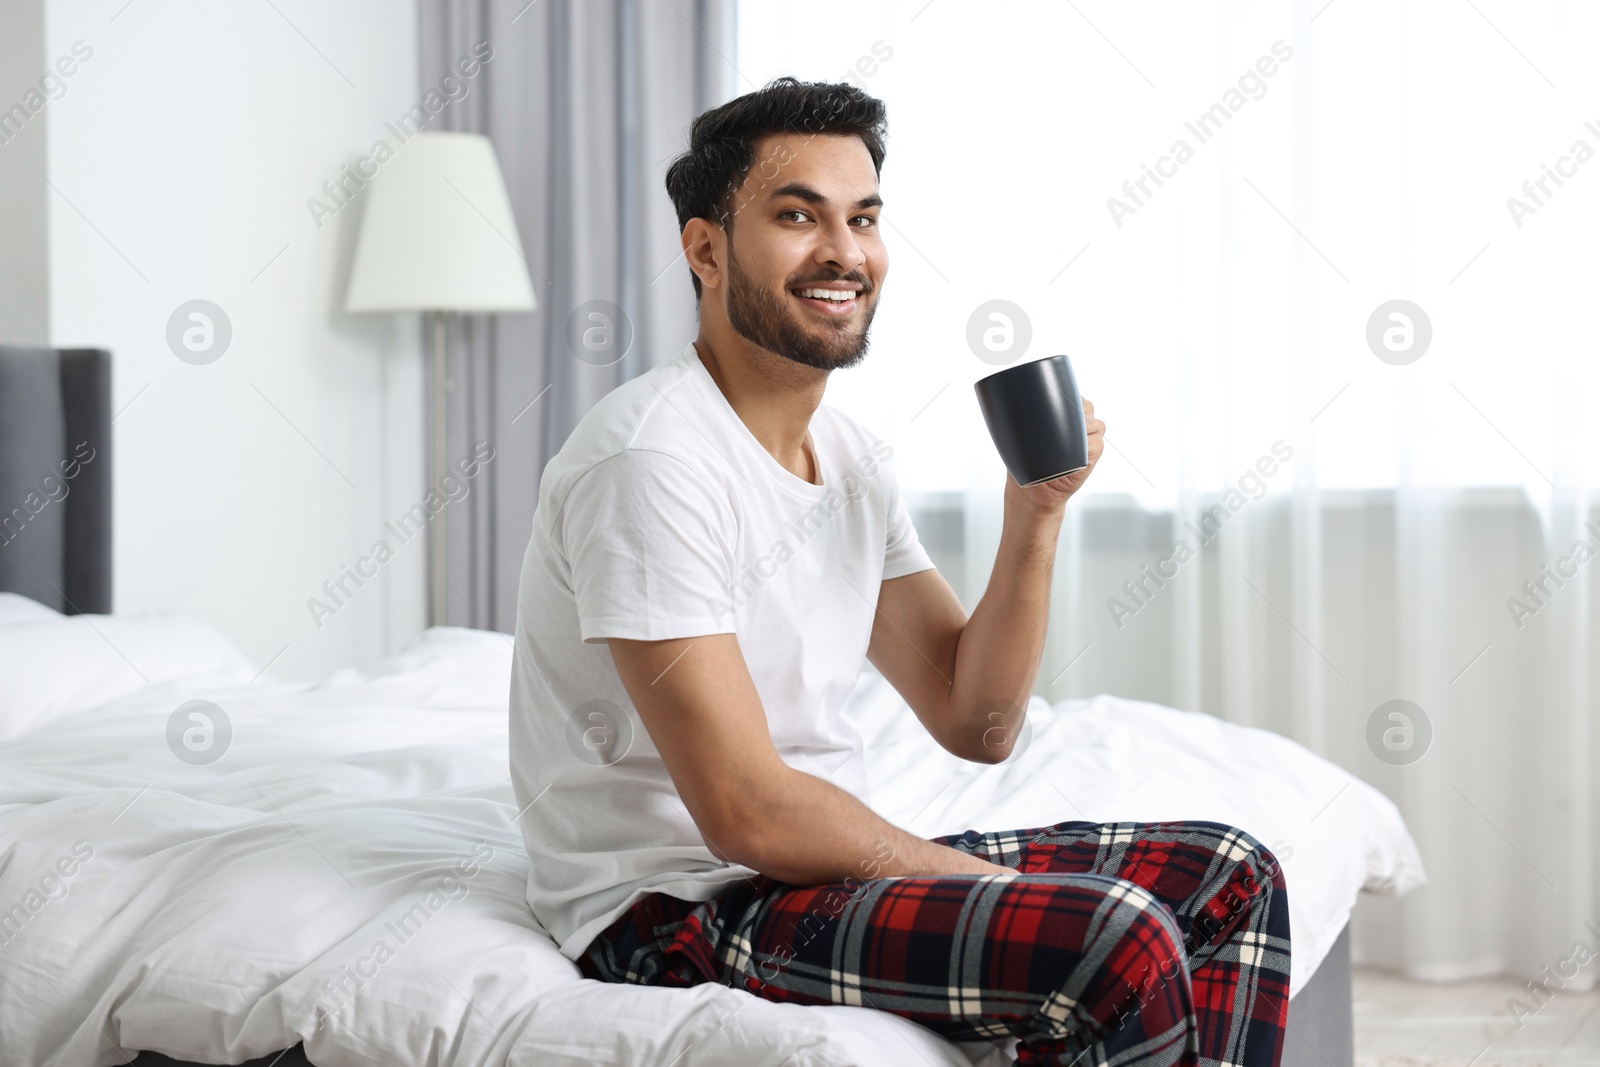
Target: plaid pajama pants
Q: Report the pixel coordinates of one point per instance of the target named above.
(1114, 944)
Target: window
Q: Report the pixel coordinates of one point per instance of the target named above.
(1228, 306)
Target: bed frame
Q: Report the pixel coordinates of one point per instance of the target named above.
(54, 400)
(1321, 1020)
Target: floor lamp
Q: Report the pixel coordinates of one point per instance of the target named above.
(438, 236)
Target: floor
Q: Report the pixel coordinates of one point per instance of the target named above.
(1401, 1023)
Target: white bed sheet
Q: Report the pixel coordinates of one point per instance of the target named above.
(216, 901)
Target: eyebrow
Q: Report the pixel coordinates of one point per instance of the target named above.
(801, 191)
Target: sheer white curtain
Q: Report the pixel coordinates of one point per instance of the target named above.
(1394, 500)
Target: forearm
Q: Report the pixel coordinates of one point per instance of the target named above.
(803, 830)
(998, 654)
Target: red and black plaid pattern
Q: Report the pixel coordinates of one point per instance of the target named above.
(1113, 944)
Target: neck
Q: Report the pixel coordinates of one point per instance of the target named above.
(774, 397)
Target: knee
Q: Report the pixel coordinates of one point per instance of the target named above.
(1239, 846)
(1150, 950)
(1267, 859)
(1253, 879)
(1264, 861)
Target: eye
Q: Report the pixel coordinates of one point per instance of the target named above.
(864, 221)
(794, 214)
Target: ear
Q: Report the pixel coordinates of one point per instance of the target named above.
(705, 248)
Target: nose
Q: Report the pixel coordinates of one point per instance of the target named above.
(838, 247)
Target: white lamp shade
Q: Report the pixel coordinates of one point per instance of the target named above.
(438, 233)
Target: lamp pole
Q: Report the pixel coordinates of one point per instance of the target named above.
(436, 528)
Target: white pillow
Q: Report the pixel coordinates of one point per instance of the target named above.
(60, 664)
(14, 607)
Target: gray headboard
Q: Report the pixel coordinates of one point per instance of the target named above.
(55, 477)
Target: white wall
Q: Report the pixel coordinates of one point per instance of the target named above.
(187, 146)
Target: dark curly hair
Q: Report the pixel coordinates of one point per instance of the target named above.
(722, 141)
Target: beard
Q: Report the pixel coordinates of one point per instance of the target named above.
(767, 322)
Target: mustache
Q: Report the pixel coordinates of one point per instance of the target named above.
(852, 276)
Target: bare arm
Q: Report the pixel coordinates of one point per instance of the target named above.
(700, 706)
(968, 680)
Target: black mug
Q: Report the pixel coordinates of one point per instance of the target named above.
(1035, 417)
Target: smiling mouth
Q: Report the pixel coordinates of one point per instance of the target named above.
(828, 301)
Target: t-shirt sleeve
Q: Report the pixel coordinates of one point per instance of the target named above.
(903, 552)
(650, 550)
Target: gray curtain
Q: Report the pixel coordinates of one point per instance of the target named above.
(586, 101)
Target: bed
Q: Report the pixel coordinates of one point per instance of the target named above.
(219, 910)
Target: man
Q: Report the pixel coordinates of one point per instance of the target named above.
(714, 553)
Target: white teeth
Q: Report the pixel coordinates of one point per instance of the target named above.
(837, 295)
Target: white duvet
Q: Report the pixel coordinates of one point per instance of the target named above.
(349, 875)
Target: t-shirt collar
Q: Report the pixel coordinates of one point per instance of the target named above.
(776, 471)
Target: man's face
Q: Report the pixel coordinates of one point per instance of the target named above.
(805, 259)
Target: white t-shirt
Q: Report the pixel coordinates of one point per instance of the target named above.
(662, 516)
